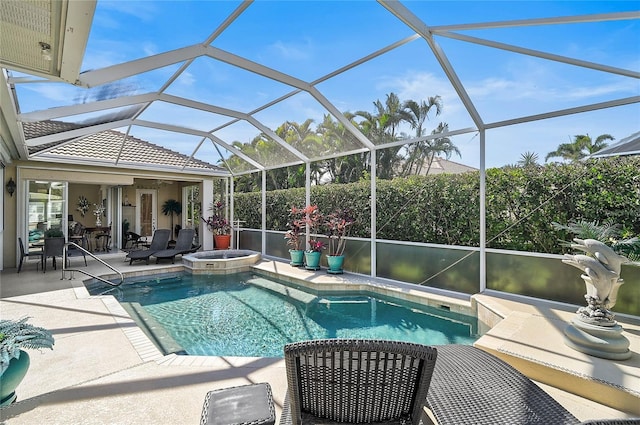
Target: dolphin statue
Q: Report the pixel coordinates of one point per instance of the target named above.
(602, 252)
(603, 280)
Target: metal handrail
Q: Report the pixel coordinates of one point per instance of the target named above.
(64, 263)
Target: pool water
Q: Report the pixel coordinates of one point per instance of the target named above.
(248, 315)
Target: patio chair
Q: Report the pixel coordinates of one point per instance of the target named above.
(470, 385)
(158, 243)
(356, 381)
(53, 248)
(103, 239)
(133, 238)
(78, 237)
(28, 254)
(184, 244)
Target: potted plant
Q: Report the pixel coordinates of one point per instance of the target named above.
(313, 219)
(219, 226)
(337, 225)
(295, 234)
(171, 207)
(54, 232)
(15, 336)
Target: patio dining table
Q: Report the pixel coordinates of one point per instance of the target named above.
(90, 231)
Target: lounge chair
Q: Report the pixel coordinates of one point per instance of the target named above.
(159, 242)
(356, 381)
(470, 385)
(184, 244)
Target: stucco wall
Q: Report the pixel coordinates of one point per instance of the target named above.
(86, 181)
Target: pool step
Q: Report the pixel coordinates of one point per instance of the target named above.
(278, 288)
(152, 329)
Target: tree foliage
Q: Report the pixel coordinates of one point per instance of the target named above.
(580, 147)
(521, 204)
(381, 126)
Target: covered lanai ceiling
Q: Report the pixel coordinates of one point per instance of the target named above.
(213, 81)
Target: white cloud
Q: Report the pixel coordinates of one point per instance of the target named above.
(143, 10)
(292, 50)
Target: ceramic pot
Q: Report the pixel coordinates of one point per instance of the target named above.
(312, 260)
(297, 257)
(222, 241)
(335, 264)
(12, 377)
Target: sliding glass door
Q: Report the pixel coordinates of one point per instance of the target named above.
(46, 209)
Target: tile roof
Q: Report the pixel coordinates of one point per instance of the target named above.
(106, 147)
(441, 166)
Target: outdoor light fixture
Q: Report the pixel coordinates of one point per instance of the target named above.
(11, 186)
(45, 50)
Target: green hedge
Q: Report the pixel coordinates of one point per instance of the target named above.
(521, 204)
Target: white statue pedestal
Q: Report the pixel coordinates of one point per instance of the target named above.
(606, 342)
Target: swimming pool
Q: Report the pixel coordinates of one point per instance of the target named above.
(248, 315)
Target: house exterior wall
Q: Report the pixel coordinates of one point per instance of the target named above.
(86, 181)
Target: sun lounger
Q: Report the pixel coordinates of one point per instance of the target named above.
(471, 386)
(184, 244)
(159, 242)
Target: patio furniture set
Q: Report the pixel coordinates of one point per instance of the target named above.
(385, 382)
(159, 247)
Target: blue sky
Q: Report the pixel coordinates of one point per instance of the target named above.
(308, 40)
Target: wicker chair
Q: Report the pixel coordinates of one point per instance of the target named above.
(356, 381)
(471, 386)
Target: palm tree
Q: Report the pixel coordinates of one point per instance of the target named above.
(170, 207)
(438, 146)
(581, 147)
(380, 128)
(416, 114)
(336, 137)
(528, 159)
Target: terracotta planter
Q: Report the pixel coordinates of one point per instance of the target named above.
(222, 241)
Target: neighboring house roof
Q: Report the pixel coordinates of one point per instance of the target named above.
(444, 166)
(107, 147)
(628, 146)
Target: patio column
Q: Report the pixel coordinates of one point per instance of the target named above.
(483, 215)
(206, 199)
(374, 213)
(263, 226)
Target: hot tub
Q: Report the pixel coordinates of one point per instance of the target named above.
(221, 261)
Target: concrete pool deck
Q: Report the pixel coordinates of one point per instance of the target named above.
(103, 369)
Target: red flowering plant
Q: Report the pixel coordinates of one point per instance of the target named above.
(297, 226)
(216, 222)
(337, 225)
(314, 219)
(316, 245)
